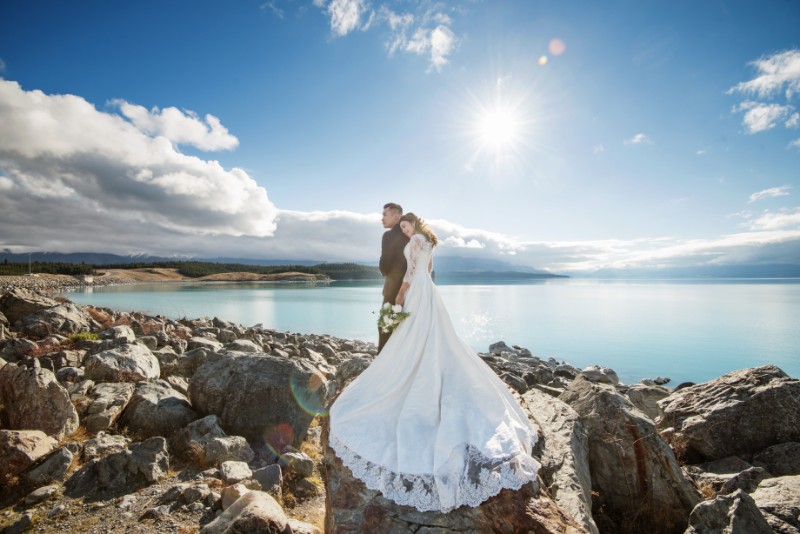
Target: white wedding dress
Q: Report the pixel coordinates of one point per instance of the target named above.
(428, 423)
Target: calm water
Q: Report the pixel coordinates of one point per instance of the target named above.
(688, 331)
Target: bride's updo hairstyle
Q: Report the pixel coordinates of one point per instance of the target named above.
(421, 227)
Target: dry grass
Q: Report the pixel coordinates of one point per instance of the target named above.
(707, 491)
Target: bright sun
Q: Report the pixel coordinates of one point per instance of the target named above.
(498, 128)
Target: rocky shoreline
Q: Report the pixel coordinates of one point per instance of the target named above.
(122, 422)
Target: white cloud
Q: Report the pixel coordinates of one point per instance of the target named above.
(777, 72)
(770, 193)
(701, 152)
(639, 139)
(181, 128)
(425, 32)
(274, 9)
(77, 174)
(760, 117)
(598, 149)
(775, 220)
(793, 121)
(2, 65)
(795, 143)
(345, 15)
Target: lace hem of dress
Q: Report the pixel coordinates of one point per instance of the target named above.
(482, 478)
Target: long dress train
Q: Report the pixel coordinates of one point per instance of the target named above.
(428, 423)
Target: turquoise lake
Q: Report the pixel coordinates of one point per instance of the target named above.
(686, 330)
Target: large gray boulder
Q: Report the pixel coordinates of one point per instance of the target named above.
(780, 460)
(563, 451)
(261, 397)
(66, 318)
(19, 449)
(19, 302)
(646, 398)
(122, 472)
(779, 501)
(105, 404)
(54, 468)
(738, 414)
(155, 409)
(638, 483)
(736, 513)
(32, 399)
(128, 363)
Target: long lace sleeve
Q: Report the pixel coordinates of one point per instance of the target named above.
(416, 247)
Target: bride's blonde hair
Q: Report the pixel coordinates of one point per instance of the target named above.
(420, 227)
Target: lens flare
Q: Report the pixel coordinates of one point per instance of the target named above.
(309, 393)
(556, 46)
(278, 438)
(542, 60)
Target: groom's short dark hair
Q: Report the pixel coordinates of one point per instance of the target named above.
(392, 206)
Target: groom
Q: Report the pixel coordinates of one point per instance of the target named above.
(393, 262)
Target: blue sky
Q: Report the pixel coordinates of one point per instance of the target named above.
(563, 135)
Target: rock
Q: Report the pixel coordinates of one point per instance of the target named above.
(186, 364)
(253, 512)
(22, 524)
(54, 468)
(780, 460)
(639, 484)
(351, 368)
(243, 345)
(32, 399)
(226, 336)
(563, 452)
(122, 332)
(661, 380)
(151, 342)
(222, 449)
(179, 384)
(600, 374)
(300, 527)
(155, 409)
(67, 318)
(122, 472)
(104, 444)
(233, 493)
(128, 363)
(499, 348)
(205, 343)
(238, 389)
(40, 495)
(196, 493)
(19, 449)
(748, 480)
(193, 438)
(68, 358)
(736, 513)
(305, 488)
(646, 398)
(738, 414)
(69, 374)
(107, 401)
(19, 302)
(233, 472)
(297, 464)
(351, 507)
(715, 474)
(779, 501)
(269, 476)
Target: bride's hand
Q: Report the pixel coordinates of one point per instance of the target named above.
(401, 298)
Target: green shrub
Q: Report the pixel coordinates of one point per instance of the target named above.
(84, 336)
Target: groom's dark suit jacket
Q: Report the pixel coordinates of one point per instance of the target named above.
(393, 262)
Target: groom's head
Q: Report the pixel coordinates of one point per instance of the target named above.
(391, 214)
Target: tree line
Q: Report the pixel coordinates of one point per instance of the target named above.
(197, 269)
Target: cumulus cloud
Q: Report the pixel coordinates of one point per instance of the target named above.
(795, 143)
(777, 78)
(779, 72)
(425, 32)
(72, 174)
(771, 192)
(759, 117)
(638, 139)
(598, 149)
(180, 127)
(272, 7)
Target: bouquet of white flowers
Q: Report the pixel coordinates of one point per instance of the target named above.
(390, 317)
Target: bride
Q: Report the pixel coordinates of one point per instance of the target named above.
(428, 423)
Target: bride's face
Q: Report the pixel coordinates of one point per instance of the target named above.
(407, 228)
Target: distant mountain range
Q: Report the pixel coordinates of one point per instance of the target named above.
(451, 267)
(454, 266)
